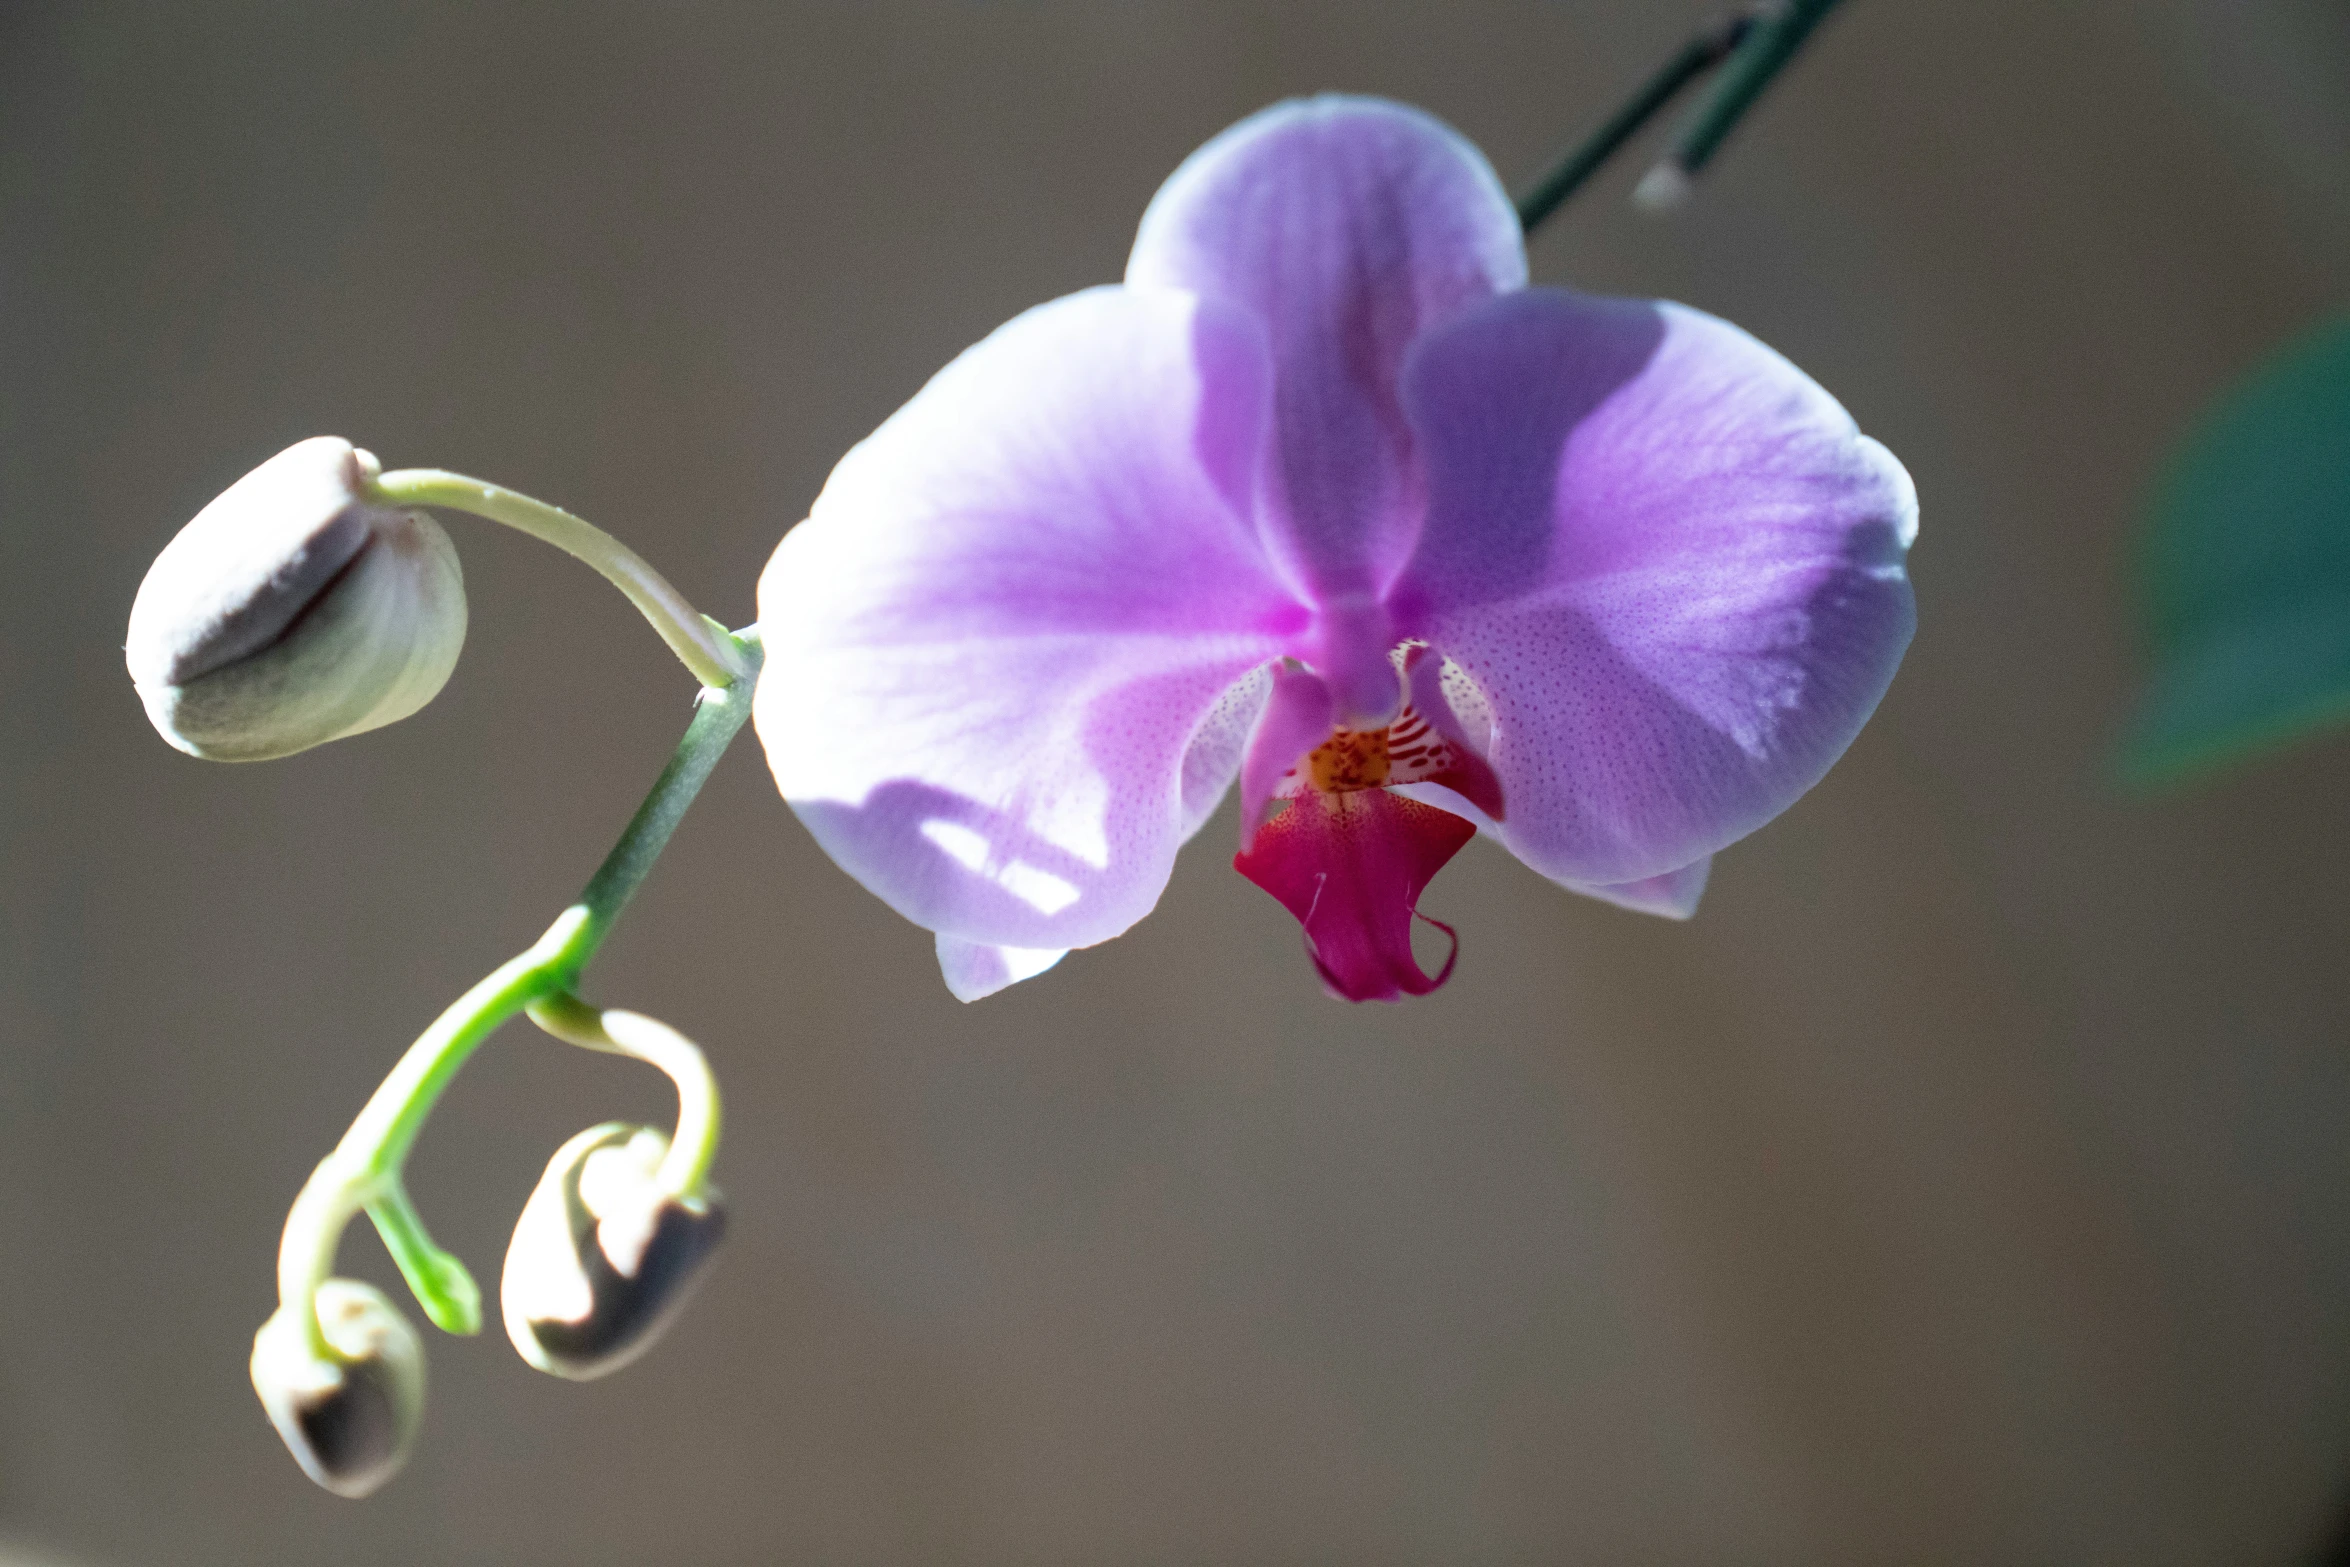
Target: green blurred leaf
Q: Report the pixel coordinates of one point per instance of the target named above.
(2245, 572)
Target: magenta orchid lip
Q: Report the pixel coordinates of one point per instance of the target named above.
(1649, 573)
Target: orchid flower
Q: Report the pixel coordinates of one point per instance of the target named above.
(1325, 499)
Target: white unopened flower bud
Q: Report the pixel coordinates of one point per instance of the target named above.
(350, 1416)
(602, 1258)
(292, 611)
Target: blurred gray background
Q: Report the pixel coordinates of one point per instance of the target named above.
(1968, 1183)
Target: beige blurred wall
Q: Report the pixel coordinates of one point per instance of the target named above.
(1966, 1184)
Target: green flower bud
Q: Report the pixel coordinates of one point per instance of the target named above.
(292, 611)
(602, 1258)
(350, 1417)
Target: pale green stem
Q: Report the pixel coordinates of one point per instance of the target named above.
(363, 1172)
(700, 642)
(447, 1292)
(686, 1167)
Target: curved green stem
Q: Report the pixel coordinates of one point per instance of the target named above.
(686, 1167)
(328, 1201)
(378, 1141)
(439, 1281)
(700, 642)
(363, 1172)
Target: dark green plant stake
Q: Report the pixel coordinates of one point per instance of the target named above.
(1758, 42)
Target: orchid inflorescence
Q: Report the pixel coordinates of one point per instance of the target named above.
(1324, 499)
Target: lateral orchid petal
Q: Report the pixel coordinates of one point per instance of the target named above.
(1347, 227)
(1668, 562)
(1220, 745)
(1012, 610)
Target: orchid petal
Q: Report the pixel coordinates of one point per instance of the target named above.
(1668, 562)
(1297, 718)
(1219, 744)
(1673, 895)
(1347, 227)
(1351, 868)
(974, 970)
(1014, 610)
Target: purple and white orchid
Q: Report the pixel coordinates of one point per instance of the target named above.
(1325, 498)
